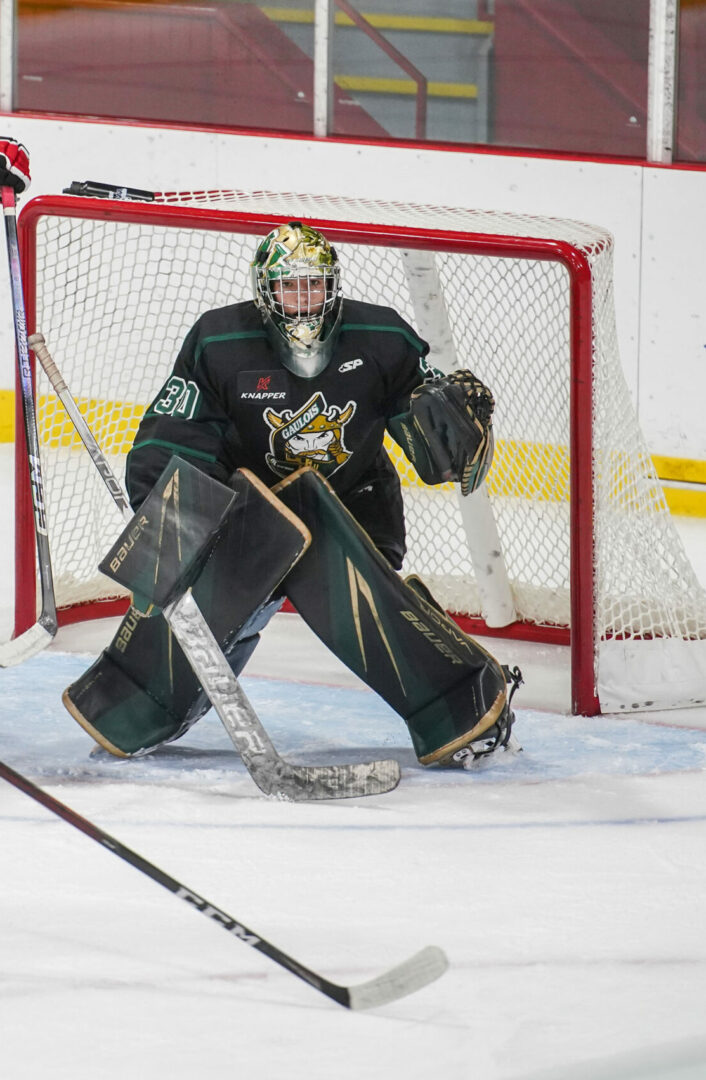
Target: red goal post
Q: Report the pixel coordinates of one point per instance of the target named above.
(525, 302)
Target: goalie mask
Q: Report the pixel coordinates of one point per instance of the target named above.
(296, 284)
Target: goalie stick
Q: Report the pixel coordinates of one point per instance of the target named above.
(38, 636)
(413, 974)
(272, 774)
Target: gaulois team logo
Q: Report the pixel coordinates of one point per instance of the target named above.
(314, 436)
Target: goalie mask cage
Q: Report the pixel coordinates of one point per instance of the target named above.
(589, 554)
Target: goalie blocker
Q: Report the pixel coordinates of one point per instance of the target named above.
(141, 692)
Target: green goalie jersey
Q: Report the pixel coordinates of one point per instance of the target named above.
(230, 404)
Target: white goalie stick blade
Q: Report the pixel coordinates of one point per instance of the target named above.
(28, 644)
(272, 774)
(420, 970)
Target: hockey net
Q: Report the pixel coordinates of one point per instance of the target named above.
(589, 551)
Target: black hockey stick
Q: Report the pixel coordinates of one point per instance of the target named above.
(272, 774)
(419, 970)
(38, 636)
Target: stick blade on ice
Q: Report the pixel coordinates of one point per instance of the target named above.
(28, 644)
(421, 969)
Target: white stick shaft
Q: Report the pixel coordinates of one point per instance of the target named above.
(38, 345)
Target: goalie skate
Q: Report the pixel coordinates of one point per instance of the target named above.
(497, 737)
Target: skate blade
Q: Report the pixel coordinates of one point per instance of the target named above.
(482, 759)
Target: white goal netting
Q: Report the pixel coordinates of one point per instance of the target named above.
(115, 298)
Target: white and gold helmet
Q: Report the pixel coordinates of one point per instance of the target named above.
(296, 286)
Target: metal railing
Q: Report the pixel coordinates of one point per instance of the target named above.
(420, 116)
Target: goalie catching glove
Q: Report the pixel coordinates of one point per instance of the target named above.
(448, 432)
(14, 165)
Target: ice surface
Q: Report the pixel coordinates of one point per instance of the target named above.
(566, 884)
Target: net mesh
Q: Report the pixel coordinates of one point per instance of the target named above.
(115, 299)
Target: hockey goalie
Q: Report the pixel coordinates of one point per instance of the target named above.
(284, 401)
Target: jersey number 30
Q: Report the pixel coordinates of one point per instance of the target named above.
(178, 399)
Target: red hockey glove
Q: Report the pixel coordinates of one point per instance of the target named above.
(14, 165)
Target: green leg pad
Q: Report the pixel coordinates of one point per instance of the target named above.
(124, 718)
(142, 690)
(435, 729)
(445, 685)
(128, 717)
